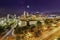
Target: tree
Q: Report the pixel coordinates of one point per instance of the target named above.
(1, 29)
(37, 34)
(58, 38)
(19, 31)
(28, 23)
(46, 21)
(39, 23)
(32, 27)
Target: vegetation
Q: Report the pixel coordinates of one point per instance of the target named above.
(34, 28)
(1, 30)
(58, 38)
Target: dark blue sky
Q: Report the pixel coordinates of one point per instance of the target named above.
(34, 5)
(43, 5)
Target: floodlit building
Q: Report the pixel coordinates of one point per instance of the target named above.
(22, 23)
(32, 22)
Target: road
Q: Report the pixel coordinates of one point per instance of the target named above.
(8, 33)
(49, 35)
(53, 36)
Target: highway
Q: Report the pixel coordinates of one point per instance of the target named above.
(9, 32)
(49, 35)
(53, 36)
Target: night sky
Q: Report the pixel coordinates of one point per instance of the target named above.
(18, 6)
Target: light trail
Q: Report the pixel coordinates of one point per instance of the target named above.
(13, 26)
(49, 33)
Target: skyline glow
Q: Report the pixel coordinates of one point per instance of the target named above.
(30, 5)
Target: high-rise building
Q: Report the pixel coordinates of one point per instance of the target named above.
(8, 16)
(37, 14)
(26, 14)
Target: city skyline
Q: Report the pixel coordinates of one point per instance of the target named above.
(19, 6)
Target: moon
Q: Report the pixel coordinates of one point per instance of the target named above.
(28, 6)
